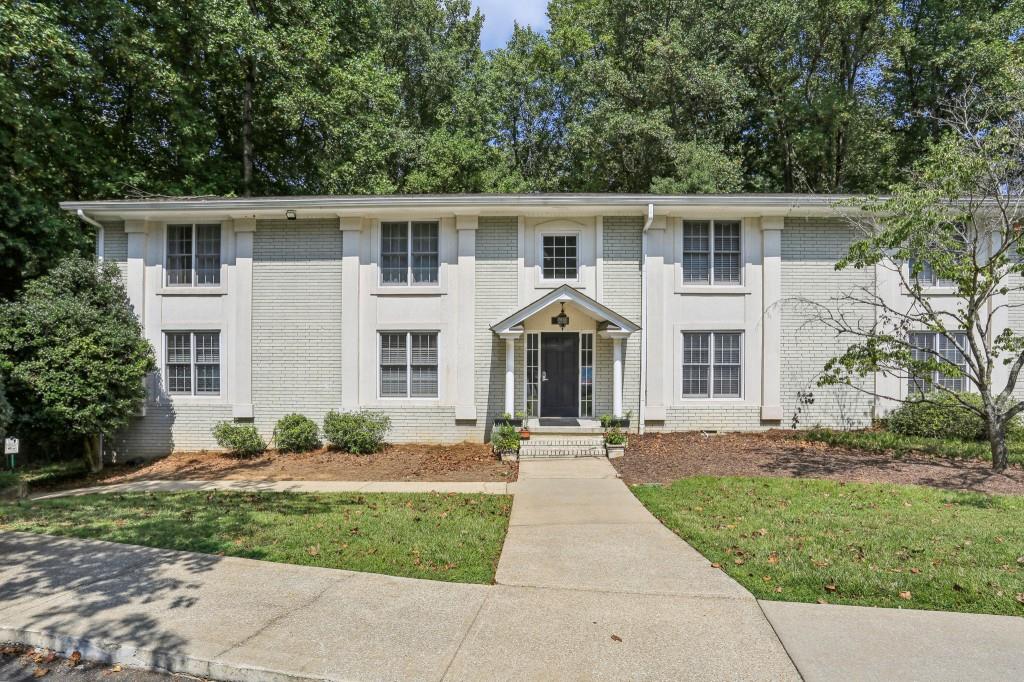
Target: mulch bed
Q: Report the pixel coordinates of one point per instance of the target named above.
(666, 457)
(401, 462)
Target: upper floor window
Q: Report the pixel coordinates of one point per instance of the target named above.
(409, 252)
(712, 364)
(928, 278)
(932, 345)
(192, 363)
(711, 252)
(560, 256)
(408, 364)
(193, 255)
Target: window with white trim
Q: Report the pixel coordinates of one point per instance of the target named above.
(192, 363)
(586, 374)
(712, 252)
(408, 365)
(409, 252)
(193, 255)
(931, 346)
(928, 278)
(560, 258)
(712, 364)
(533, 374)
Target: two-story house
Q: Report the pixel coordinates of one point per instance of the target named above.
(444, 312)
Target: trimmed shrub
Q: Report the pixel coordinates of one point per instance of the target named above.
(241, 439)
(942, 417)
(296, 433)
(357, 432)
(505, 439)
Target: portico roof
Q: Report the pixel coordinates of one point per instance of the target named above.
(566, 294)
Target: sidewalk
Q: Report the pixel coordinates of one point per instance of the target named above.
(151, 486)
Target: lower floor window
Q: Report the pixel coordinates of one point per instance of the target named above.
(192, 364)
(712, 364)
(408, 364)
(927, 346)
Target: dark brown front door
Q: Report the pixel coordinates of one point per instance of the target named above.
(560, 372)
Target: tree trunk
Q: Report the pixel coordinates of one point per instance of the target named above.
(997, 441)
(93, 453)
(247, 145)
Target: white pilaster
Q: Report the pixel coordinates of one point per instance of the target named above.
(617, 377)
(465, 401)
(137, 231)
(657, 379)
(771, 318)
(351, 245)
(241, 292)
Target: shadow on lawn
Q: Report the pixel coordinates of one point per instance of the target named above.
(52, 585)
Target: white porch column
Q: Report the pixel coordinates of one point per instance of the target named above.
(241, 379)
(351, 244)
(135, 280)
(771, 320)
(616, 377)
(510, 369)
(465, 399)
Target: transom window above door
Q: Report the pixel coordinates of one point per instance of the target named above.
(193, 255)
(560, 258)
(711, 252)
(409, 253)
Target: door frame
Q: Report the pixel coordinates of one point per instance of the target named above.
(579, 368)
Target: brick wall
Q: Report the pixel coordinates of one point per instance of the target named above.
(296, 320)
(810, 249)
(621, 286)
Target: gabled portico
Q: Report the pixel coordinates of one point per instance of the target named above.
(559, 330)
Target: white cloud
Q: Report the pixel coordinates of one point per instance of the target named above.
(500, 15)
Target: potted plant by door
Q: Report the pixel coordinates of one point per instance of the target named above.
(614, 442)
(608, 421)
(507, 419)
(524, 432)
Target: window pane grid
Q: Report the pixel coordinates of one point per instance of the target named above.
(179, 255)
(712, 365)
(192, 363)
(586, 375)
(425, 253)
(932, 345)
(408, 364)
(727, 252)
(696, 252)
(207, 255)
(394, 253)
(560, 256)
(532, 374)
(712, 252)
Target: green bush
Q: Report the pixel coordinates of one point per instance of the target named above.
(614, 436)
(9, 479)
(505, 439)
(296, 433)
(359, 432)
(942, 416)
(241, 439)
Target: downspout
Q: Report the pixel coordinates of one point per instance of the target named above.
(643, 318)
(99, 232)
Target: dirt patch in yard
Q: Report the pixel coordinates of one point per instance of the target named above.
(666, 457)
(403, 462)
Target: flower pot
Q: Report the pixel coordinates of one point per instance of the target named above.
(615, 451)
(621, 423)
(524, 434)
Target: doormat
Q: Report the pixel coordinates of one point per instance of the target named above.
(559, 421)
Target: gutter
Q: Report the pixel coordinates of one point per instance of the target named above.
(99, 232)
(643, 319)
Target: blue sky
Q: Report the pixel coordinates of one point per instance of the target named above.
(500, 15)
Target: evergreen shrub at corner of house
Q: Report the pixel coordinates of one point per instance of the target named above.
(360, 432)
(941, 415)
(505, 439)
(241, 439)
(296, 433)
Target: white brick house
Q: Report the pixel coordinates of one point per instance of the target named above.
(443, 311)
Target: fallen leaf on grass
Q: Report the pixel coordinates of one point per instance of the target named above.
(831, 587)
(778, 589)
(915, 571)
(762, 531)
(773, 558)
(716, 565)
(313, 551)
(822, 601)
(1020, 597)
(905, 595)
(616, 638)
(738, 561)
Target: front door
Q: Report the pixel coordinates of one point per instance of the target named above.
(560, 374)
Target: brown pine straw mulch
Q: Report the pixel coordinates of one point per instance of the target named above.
(666, 457)
(400, 462)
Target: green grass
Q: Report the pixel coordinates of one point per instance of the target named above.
(53, 473)
(455, 538)
(863, 544)
(9, 478)
(886, 441)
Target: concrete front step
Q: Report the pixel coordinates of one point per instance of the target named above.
(550, 448)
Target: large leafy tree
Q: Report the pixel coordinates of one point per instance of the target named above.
(75, 354)
(959, 218)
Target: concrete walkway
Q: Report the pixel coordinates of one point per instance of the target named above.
(487, 487)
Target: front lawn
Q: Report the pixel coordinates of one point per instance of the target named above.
(852, 543)
(455, 538)
(887, 441)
